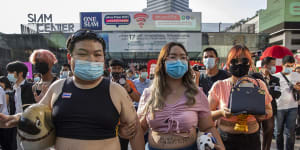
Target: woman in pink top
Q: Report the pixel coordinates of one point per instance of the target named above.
(238, 61)
(173, 107)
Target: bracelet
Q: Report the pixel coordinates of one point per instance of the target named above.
(130, 91)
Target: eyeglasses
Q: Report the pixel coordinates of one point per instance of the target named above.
(236, 61)
(83, 33)
(182, 57)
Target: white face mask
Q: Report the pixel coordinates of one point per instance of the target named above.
(144, 75)
(209, 62)
(36, 79)
(64, 74)
(273, 70)
(288, 70)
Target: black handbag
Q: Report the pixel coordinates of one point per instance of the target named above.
(296, 93)
(247, 100)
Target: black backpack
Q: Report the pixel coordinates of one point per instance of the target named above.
(11, 106)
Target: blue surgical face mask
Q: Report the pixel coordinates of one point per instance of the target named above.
(36, 79)
(273, 69)
(144, 75)
(64, 75)
(87, 70)
(209, 62)
(11, 77)
(288, 70)
(176, 69)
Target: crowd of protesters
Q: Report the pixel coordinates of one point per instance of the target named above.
(109, 107)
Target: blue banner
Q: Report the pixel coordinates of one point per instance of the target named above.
(91, 20)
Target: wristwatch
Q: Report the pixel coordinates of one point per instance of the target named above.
(130, 91)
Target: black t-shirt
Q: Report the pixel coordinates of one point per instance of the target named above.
(207, 82)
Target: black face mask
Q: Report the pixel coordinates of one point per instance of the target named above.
(42, 67)
(116, 75)
(239, 70)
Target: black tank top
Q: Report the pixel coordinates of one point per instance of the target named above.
(86, 114)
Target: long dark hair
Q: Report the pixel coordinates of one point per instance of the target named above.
(6, 82)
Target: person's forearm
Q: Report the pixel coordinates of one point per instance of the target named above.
(215, 134)
(216, 114)
(137, 142)
(268, 115)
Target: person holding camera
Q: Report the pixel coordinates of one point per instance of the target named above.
(213, 73)
(287, 105)
(118, 76)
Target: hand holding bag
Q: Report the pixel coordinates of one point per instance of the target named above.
(247, 100)
(244, 101)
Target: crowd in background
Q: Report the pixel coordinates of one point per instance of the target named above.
(173, 102)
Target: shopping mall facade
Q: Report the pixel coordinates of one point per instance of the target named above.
(135, 37)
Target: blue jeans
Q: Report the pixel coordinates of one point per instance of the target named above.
(285, 119)
(192, 147)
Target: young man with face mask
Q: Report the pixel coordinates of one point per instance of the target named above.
(130, 74)
(17, 72)
(117, 75)
(287, 106)
(142, 82)
(268, 68)
(36, 77)
(213, 73)
(65, 71)
(87, 108)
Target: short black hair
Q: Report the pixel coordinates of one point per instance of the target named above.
(288, 59)
(18, 67)
(84, 34)
(210, 49)
(116, 62)
(67, 65)
(129, 71)
(40, 75)
(267, 60)
(3, 79)
(142, 67)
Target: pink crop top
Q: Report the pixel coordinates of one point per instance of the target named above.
(178, 117)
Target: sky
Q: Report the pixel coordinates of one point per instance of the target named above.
(14, 12)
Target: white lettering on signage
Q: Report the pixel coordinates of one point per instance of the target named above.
(42, 18)
(51, 27)
(90, 22)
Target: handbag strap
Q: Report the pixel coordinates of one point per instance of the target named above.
(286, 79)
(240, 81)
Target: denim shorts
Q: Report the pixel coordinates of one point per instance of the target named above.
(192, 147)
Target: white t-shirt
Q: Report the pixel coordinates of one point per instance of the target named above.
(3, 105)
(18, 98)
(286, 100)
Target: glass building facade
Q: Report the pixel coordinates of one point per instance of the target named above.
(20, 46)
